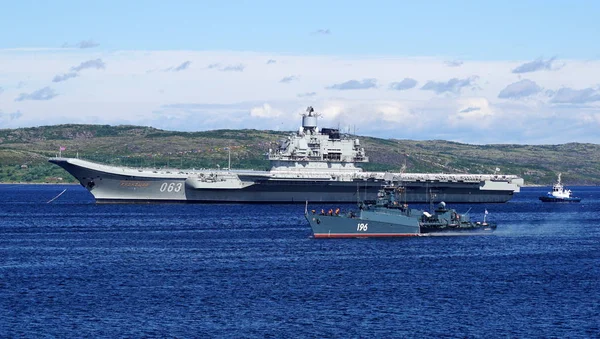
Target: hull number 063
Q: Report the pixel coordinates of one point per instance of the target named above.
(362, 227)
(171, 186)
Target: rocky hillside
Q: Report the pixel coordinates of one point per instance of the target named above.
(24, 153)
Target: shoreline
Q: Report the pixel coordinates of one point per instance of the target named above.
(39, 183)
(76, 183)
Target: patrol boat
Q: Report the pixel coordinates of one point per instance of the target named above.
(389, 217)
(316, 165)
(559, 194)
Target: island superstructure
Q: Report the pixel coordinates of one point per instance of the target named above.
(310, 165)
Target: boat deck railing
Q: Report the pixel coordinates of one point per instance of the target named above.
(399, 177)
(323, 174)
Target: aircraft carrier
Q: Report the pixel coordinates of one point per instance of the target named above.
(311, 165)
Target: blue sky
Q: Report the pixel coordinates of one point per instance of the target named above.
(483, 30)
(486, 71)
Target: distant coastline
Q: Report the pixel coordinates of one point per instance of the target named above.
(25, 157)
(76, 183)
(39, 183)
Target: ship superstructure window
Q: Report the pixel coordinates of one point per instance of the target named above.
(333, 156)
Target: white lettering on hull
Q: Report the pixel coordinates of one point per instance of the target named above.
(171, 187)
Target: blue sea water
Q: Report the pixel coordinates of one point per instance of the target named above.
(72, 268)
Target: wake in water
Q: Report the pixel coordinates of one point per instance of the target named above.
(56, 197)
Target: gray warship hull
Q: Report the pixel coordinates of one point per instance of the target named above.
(311, 165)
(114, 184)
(325, 226)
(387, 216)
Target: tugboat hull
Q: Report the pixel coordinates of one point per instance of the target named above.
(554, 199)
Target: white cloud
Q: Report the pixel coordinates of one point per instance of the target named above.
(233, 68)
(453, 63)
(331, 110)
(453, 85)
(591, 118)
(288, 79)
(536, 65)
(473, 111)
(87, 44)
(395, 112)
(406, 83)
(97, 64)
(82, 44)
(264, 111)
(576, 96)
(64, 77)
(45, 93)
(208, 97)
(184, 65)
(355, 84)
(322, 31)
(520, 89)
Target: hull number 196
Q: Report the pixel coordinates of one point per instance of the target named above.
(171, 186)
(362, 227)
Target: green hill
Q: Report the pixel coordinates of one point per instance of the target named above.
(24, 153)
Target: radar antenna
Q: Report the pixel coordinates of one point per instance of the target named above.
(309, 120)
(310, 112)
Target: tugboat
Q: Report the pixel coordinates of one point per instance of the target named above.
(388, 217)
(559, 194)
